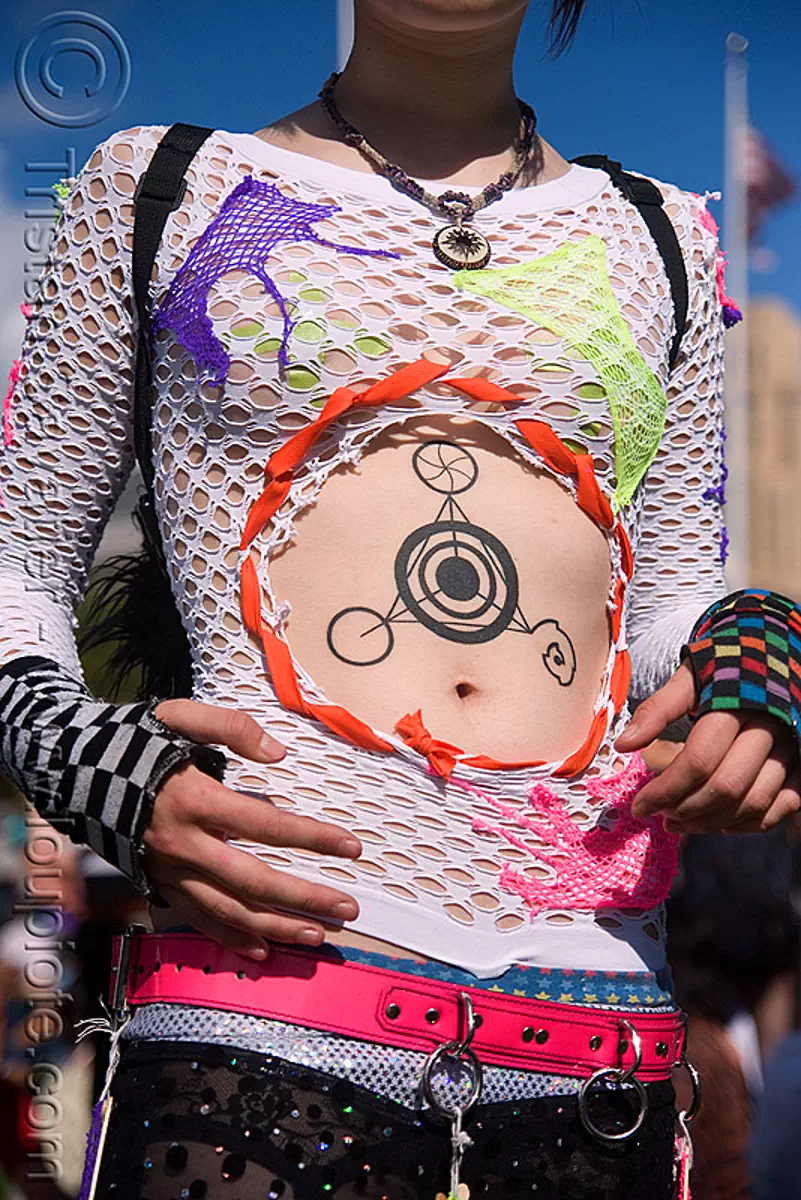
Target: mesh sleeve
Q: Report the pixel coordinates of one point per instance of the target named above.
(679, 568)
(67, 451)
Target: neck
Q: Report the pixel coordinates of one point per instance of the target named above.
(429, 102)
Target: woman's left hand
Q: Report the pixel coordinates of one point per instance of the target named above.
(738, 770)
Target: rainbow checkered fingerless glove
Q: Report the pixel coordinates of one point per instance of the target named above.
(745, 652)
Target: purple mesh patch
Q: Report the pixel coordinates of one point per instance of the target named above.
(718, 494)
(254, 218)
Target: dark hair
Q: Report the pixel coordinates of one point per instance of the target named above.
(563, 23)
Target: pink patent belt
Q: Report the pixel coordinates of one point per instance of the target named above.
(320, 990)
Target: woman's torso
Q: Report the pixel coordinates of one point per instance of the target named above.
(378, 476)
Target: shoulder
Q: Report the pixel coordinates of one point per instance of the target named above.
(109, 176)
(699, 237)
(693, 220)
(96, 204)
(122, 150)
(110, 173)
(126, 153)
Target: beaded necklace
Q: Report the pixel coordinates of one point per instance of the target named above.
(456, 245)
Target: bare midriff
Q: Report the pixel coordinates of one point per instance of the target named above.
(526, 692)
(497, 696)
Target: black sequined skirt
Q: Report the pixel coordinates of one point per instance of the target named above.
(194, 1120)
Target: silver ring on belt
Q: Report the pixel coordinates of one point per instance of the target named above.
(620, 1075)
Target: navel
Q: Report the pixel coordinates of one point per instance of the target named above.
(464, 690)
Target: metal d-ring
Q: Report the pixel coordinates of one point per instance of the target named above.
(620, 1075)
(119, 999)
(630, 1072)
(463, 1051)
(472, 1023)
(689, 1114)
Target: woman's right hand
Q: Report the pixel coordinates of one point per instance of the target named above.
(228, 894)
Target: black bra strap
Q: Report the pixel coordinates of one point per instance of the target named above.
(160, 190)
(647, 197)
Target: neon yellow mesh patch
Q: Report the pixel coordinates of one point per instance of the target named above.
(568, 291)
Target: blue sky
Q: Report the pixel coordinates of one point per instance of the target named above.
(643, 83)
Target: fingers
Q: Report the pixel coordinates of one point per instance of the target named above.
(199, 919)
(729, 786)
(253, 820)
(760, 797)
(774, 796)
(191, 817)
(707, 745)
(787, 802)
(740, 794)
(213, 724)
(232, 939)
(188, 848)
(652, 717)
(223, 917)
(253, 884)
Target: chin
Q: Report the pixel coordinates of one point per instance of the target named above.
(445, 16)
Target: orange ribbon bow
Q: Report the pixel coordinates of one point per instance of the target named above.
(442, 756)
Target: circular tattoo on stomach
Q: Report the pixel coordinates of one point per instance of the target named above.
(458, 580)
(452, 576)
(445, 467)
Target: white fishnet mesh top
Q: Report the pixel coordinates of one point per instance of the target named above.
(427, 879)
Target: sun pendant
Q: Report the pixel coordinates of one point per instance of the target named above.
(461, 247)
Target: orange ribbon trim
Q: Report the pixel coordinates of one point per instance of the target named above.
(586, 752)
(627, 558)
(285, 681)
(281, 464)
(483, 762)
(617, 611)
(278, 478)
(551, 449)
(621, 679)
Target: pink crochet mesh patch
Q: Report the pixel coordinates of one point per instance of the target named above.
(14, 375)
(621, 863)
(731, 311)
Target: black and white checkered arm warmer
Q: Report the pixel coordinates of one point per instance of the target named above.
(91, 769)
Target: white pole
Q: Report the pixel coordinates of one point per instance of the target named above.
(344, 31)
(735, 232)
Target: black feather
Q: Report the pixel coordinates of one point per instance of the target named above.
(130, 610)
